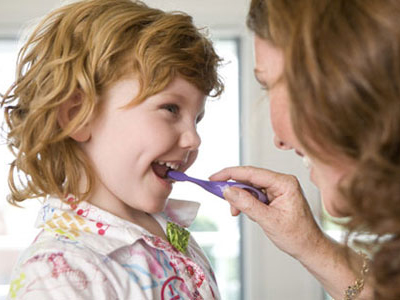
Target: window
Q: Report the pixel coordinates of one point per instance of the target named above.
(16, 224)
(215, 230)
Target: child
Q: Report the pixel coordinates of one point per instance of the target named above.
(107, 97)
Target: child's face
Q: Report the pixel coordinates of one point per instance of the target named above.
(126, 144)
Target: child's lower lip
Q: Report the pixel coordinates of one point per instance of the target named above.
(164, 181)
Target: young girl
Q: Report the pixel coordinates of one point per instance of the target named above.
(106, 100)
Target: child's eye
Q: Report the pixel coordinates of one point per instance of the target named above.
(199, 118)
(172, 108)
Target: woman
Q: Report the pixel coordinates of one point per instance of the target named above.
(332, 72)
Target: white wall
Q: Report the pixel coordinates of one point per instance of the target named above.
(268, 273)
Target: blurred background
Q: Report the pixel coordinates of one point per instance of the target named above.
(235, 131)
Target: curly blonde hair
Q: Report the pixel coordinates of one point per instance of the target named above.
(342, 69)
(82, 48)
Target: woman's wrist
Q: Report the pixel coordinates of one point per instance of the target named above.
(353, 291)
(326, 261)
(339, 271)
(314, 240)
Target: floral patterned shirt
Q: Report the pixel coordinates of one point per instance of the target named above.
(84, 252)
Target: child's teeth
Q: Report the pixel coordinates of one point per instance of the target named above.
(168, 164)
(171, 165)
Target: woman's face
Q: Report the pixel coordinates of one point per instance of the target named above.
(268, 69)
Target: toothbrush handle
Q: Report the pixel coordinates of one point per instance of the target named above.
(218, 187)
(252, 190)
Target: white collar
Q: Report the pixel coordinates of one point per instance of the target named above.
(90, 225)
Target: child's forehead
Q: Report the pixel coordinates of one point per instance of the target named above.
(173, 84)
(125, 93)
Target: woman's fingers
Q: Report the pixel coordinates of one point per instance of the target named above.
(256, 176)
(234, 211)
(242, 201)
(287, 220)
(273, 184)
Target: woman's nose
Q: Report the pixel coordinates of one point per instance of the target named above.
(281, 144)
(190, 139)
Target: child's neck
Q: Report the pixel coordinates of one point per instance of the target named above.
(143, 219)
(149, 223)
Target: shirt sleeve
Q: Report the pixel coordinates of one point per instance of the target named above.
(58, 275)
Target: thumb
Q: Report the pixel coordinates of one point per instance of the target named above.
(246, 203)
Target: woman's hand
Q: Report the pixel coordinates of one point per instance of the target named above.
(290, 225)
(287, 220)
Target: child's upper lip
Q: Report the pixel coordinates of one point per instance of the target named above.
(161, 167)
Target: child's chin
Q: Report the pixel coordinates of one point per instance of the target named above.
(156, 209)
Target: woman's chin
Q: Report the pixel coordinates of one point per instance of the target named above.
(336, 211)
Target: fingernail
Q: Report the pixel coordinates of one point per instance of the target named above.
(231, 194)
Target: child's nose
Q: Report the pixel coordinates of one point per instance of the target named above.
(190, 139)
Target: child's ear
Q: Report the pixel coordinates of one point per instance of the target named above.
(66, 114)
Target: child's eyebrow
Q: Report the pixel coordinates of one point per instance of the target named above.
(175, 95)
(182, 98)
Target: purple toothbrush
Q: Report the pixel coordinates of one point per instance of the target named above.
(217, 187)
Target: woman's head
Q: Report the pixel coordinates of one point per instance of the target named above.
(342, 75)
(340, 69)
(75, 54)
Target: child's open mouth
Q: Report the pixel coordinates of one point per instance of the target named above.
(161, 168)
